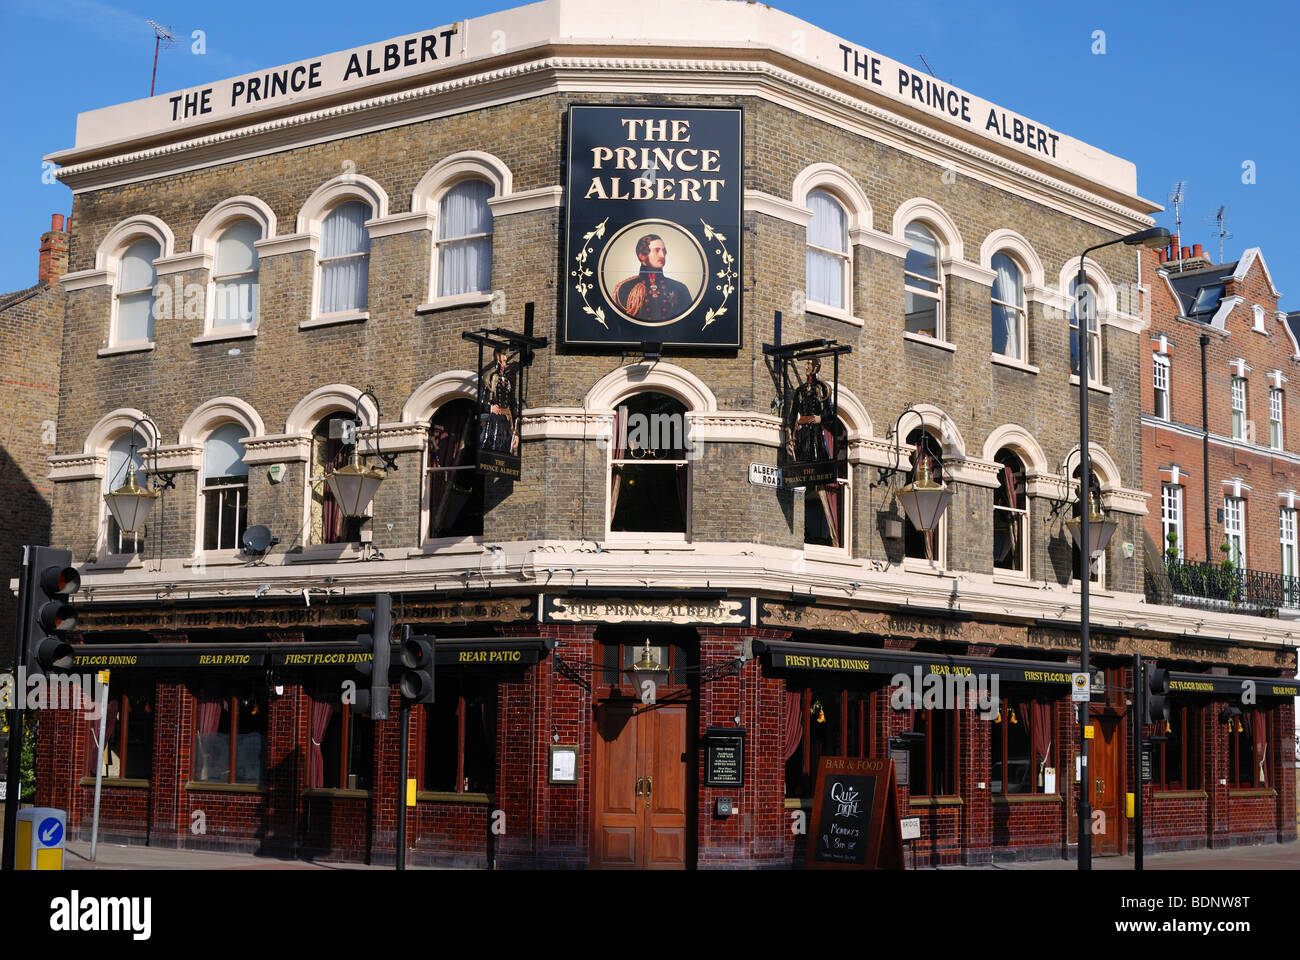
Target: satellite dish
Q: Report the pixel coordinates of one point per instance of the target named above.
(258, 539)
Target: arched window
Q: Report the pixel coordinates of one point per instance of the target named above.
(120, 457)
(1009, 328)
(225, 488)
(344, 259)
(828, 258)
(455, 487)
(1010, 515)
(234, 276)
(825, 509)
(329, 453)
(918, 545)
(136, 278)
(649, 473)
(465, 239)
(922, 283)
(1098, 566)
(1094, 331)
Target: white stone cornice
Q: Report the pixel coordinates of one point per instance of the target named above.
(85, 279)
(179, 458)
(183, 262)
(765, 203)
(526, 201)
(880, 242)
(876, 452)
(396, 438)
(968, 470)
(398, 223)
(77, 466)
(726, 426)
(563, 423)
(286, 243)
(277, 448)
(969, 271)
(1124, 500)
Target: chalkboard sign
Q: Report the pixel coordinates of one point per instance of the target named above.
(855, 816)
(724, 757)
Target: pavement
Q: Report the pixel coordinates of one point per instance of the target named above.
(1269, 856)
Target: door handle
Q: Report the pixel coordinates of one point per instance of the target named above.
(639, 781)
(1101, 786)
(649, 788)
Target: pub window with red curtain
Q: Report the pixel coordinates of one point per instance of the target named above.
(230, 736)
(459, 750)
(341, 755)
(1024, 747)
(822, 722)
(1176, 761)
(824, 506)
(328, 524)
(126, 751)
(455, 487)
(1248, 740)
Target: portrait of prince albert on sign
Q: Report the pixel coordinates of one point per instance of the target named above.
(650, 296)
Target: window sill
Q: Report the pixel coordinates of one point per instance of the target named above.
(815, 551)
(915, 565)
(1098, 387)
(935, 802)
(1243, 793)
(143, 346)
(217, 336)
(337, 793)
(1014, 364)
(638, 541)
(218, 558)
(450, 545)
(195, 785)
(117, 782)
(1011, 578)
(331, 319)
(1178, 795)
(433, 796)
(326, 551)
(833, 313)
(930, 341)
(116, 561)
(451, 303)
(1027, 798)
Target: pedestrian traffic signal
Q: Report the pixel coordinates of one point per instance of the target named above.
(50, 581)
(372, 701)
(417, 657)
(1157, 700)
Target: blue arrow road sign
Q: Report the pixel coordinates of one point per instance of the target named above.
(50, 831)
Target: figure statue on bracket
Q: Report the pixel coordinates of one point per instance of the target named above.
(809, 411)
(497, 398)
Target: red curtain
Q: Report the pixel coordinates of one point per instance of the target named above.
(332, 519)
(447, 441)
(616, 453)
(793, 722)
(1259, 745)
(321, 711)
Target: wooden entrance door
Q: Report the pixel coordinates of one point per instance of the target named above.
(1107, 788)
(640, 778)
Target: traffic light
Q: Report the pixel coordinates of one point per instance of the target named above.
(1157, 700)
(373, 701)
(51, 580)
(417, 667)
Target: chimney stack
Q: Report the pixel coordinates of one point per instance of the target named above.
(54, 252)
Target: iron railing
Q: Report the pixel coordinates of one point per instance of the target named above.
(1219, 585)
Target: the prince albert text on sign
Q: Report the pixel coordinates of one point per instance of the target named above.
(654, 214)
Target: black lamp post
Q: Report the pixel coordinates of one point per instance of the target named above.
(1155, 237)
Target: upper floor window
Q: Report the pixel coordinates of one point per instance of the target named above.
(649, 487)
(824, 520)
(329, 453)
(828, 260)
(1097, 564)
(1010, 515)
(1239, 408)
(136, 278)
(455, 487)
(1009, 327)
(917, 544)
(465, 239)
(1287, 535)
(1094, 331)
(1234, 530)
(234, 276)
(345, 259)
(922, 284)
(225, 488)
(1275, 418)
(1160, 384)
(1171, 520)
(121, 456)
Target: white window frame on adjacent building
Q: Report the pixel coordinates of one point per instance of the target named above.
(1275, 404)
(1239, 408)
(1234, 529)
(1160, 385)
(1290, 569)
(1171, 519)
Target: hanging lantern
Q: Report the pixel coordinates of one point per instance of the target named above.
(648, 669)
(354, 486)
(1100, 529)
(923, 500)
(130, 504)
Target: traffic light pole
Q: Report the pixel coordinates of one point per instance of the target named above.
(1139, 718)
(15, 716)
(404, 716)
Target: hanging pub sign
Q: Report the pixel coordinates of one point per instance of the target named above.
(500, 395)
(653, 256)
(812, 444)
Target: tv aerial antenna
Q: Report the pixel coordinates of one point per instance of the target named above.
(163, 37)
(1178, 196)
(1219, 217)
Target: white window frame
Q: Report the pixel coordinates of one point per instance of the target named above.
(426, 505)
(1171, 518)
(319, 288)
(845, 483)
(1022, 512)
(1290, 570)
(440, 243)
(1160, 385)
(1276, 400)
(1094, 329)
(1022, 326)
(1234, 529)
(114, 339)
(111, 482)
(845, 257)
(940, 561)
(648, 535)
(1238, 408)
(941, 320)
(216, 279)
(201, 511)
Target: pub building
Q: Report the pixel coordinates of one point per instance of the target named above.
(699, 380)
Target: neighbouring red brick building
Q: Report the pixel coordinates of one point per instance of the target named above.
(245, 264)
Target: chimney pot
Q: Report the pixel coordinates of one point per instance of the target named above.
(53, 260)
(1196, 250)
(56, 222)
(1162, 255)
(1187, 253)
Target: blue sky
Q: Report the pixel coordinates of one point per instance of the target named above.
(1188, 91)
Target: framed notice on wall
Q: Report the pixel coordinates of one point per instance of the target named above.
(654, 243)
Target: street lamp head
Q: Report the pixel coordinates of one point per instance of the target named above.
(923, 500)
(1100, 529)
(130, 504)
(1156, 238)
(354, 486)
